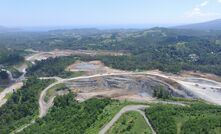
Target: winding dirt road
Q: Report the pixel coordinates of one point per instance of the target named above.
(137, 108)
(45, 106)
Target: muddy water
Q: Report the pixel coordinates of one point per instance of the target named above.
(85, 66)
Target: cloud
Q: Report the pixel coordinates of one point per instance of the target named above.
(205, 3)
(198, 12)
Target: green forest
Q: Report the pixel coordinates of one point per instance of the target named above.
(196, 118)
(52, 67)
(69, 116)
(169, 50)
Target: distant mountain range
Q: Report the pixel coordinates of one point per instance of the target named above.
(6, 29)
(210, 25)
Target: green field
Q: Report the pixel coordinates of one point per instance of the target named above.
(74, 74)
(130, 123)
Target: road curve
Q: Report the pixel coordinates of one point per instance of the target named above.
(44, 106)
(129, 108)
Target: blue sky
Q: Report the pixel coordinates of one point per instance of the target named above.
(106, 12)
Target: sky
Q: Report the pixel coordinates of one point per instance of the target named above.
(28, 13)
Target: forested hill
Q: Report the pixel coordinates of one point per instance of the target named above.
(120, 40)
(157, 48)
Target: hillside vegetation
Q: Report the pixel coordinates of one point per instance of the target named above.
(52, 67)
(198, 118)
(68, 116)
(22, 106)
(169, 50)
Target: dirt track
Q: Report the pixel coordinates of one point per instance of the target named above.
(9, 90)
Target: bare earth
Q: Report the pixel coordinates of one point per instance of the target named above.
(59, 53)
(91, 68)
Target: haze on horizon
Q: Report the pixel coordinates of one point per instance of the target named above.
(29, 13)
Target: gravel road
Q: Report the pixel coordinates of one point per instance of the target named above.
(136, 108)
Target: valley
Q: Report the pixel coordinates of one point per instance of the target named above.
(108, 84)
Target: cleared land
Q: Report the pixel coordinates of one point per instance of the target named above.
(91, 68)
(188, 85)
(59, 53)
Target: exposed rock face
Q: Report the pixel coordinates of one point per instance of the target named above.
(126, 84)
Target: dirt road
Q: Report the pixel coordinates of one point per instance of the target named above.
(9, 90)
(136, 108)
(44, 106)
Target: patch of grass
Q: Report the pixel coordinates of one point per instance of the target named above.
(74, 74)
(107, 114)
(183, 99)
(53, 90)
(8, 95)
(130, 123)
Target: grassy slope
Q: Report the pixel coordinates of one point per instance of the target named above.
(53, 90)
(130, 123)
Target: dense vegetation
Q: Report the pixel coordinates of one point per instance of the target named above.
(130, 123)
(106, 116)
(52, 67)
(22, 106)
(10, 56)
(157, 48)
(198, 118)
(69, 116)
